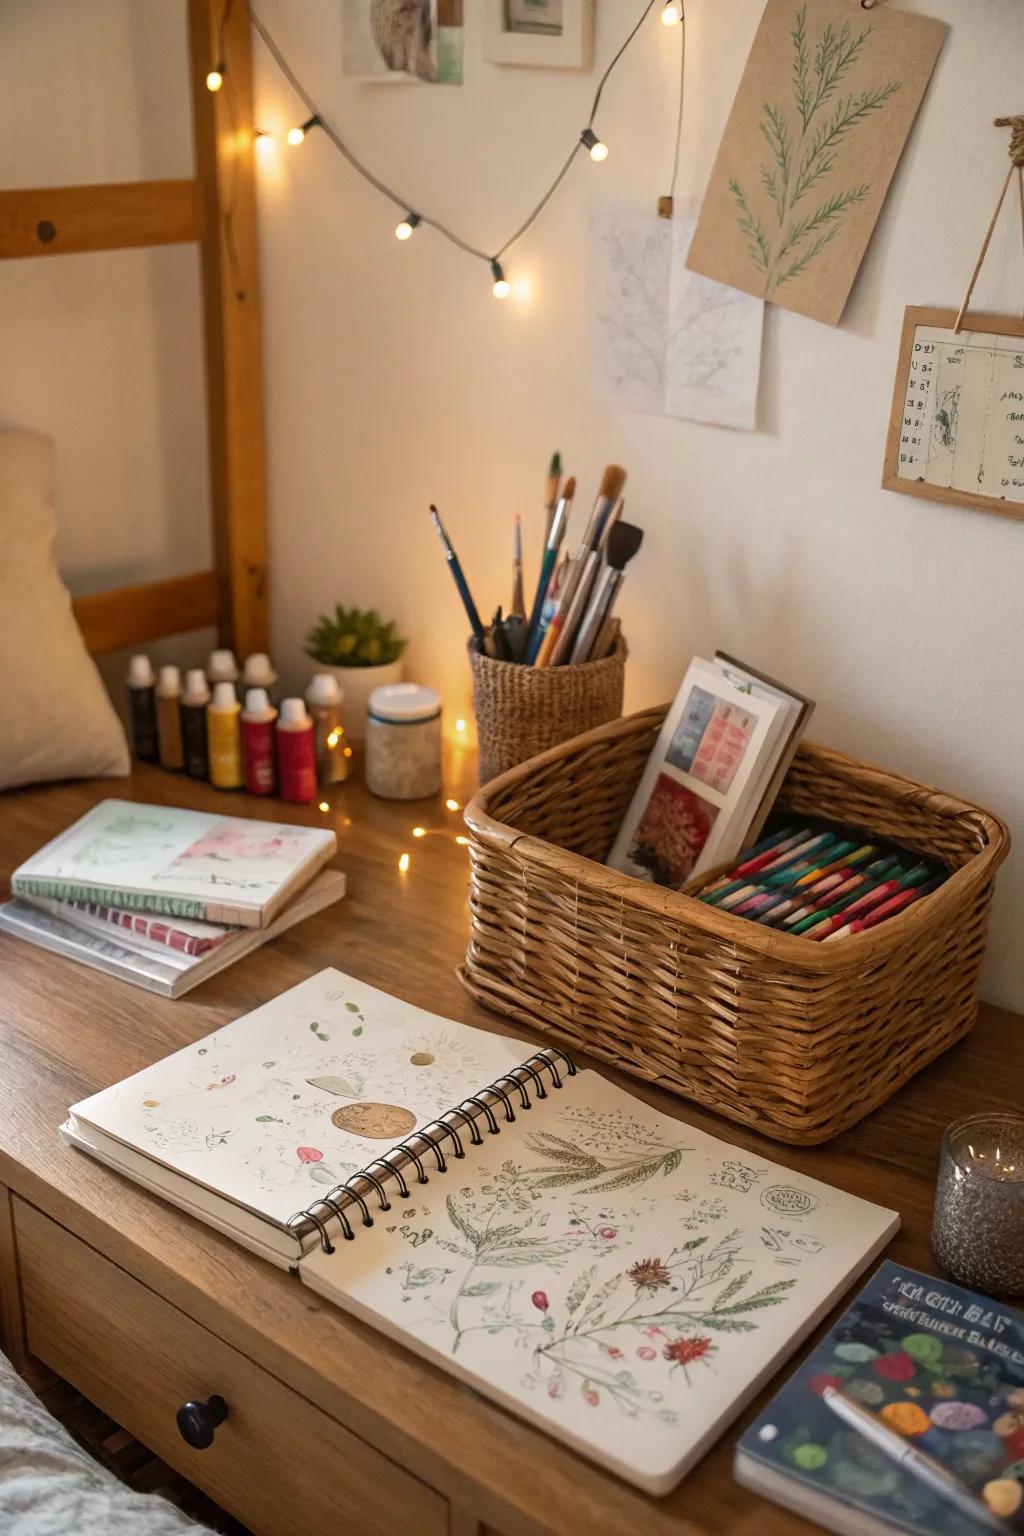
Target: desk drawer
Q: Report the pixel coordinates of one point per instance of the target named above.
(278, 1463)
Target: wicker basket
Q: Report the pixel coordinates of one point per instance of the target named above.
(796, 1039)
(521, 711)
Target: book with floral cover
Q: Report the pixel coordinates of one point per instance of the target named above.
(181, 863)
(610, 1274)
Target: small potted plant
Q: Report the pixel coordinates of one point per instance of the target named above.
(363, 653)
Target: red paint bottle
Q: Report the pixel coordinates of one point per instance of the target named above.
(258, 742)
(296, 753)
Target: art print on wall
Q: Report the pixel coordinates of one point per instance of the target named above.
(544, 34)
(403, 40)
(823, 111)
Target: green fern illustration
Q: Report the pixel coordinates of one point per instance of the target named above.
(803, 150)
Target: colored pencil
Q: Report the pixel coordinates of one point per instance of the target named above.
(518, 604)
(888, 909)
(844, 882)
(735, 890)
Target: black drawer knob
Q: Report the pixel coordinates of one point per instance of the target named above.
(198, 1421)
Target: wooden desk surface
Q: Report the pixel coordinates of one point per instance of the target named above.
(66, 1031)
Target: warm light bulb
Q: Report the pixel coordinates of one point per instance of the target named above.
(334, 737)
(295, 135)
(460, 725)
(403, 864)
(453, 805)
(215, 79)
(590, 141)
(324, 806)
(462, 841)
(404, 229)
(419, 831)
(501, 291)
(670, 16)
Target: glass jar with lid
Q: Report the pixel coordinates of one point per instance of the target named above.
(403, 742)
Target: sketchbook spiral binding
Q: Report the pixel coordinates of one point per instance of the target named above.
(359, 1188)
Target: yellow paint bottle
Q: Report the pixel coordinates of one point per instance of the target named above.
(224, 738)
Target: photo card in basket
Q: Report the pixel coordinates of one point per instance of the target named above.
(712, 775)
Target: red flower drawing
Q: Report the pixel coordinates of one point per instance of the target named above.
(540, 1301)
(686, 1352)
(607, 1233)
(309, 1155)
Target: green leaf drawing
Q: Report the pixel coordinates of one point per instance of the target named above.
(352, 1007)
(579, 1288)
(803, 150)
(462, 1223)
(574, 1165)
(321, 1175)
(481, 1288)
(358, 1029)
(268, 1119)
(339, 1085)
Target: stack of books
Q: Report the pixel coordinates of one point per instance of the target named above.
(165, 898)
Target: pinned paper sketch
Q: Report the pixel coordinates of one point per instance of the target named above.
(824, 108)
(403, 39)
(663, 339)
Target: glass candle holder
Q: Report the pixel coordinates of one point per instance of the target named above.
(978, 1229)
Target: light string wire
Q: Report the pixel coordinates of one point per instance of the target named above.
(409, 205)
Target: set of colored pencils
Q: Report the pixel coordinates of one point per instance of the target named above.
(570, 617)
(822, 882)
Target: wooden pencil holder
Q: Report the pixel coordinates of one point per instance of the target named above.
(521, 711)
(795, 1039)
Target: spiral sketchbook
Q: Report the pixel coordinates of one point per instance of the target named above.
(610, 1274)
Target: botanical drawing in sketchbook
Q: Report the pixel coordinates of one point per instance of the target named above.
(820, 120)
(664, 340)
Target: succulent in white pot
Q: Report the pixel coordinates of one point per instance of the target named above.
(362, 652)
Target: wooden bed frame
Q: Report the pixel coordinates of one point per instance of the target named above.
(216, 208)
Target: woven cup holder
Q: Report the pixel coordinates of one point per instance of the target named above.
(521, 711)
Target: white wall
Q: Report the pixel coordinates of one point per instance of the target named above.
(394, 378)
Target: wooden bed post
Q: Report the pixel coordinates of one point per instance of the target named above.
(220, 33)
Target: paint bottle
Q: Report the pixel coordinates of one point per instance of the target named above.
(142, 708)
(168, 718)
(193, 723)
(258, 673)
(224, 737)
(223, 668)
(258, 718)
(296, 755)
(333, 754)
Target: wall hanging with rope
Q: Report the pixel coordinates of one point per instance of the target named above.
(314, 118)
(956, 432)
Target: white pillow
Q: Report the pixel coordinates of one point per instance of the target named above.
(56, 721)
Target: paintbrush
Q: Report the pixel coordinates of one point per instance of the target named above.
(536, 629)
(624, 539)
(458, 578)
(518, 604)
(551, 491)
(609, 492)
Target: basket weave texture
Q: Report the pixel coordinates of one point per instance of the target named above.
(522, 711)
(793, 1038)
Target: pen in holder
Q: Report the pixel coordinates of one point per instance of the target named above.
(521, 711)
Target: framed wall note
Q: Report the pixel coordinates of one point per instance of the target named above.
(956, 432)
(826, 103)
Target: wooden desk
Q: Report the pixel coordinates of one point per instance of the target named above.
(138, 1305)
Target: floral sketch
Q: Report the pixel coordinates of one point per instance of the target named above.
(805, 138)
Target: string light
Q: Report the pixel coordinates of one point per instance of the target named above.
(403, 864)
(324, 807)
(333, 737)
(591, 142)
(296, 135)
(463, 842)
(500, 289)
(215, 79)
(587, 139)
(453, 805)
(419, 831)
(460, 726)
(670, 17)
